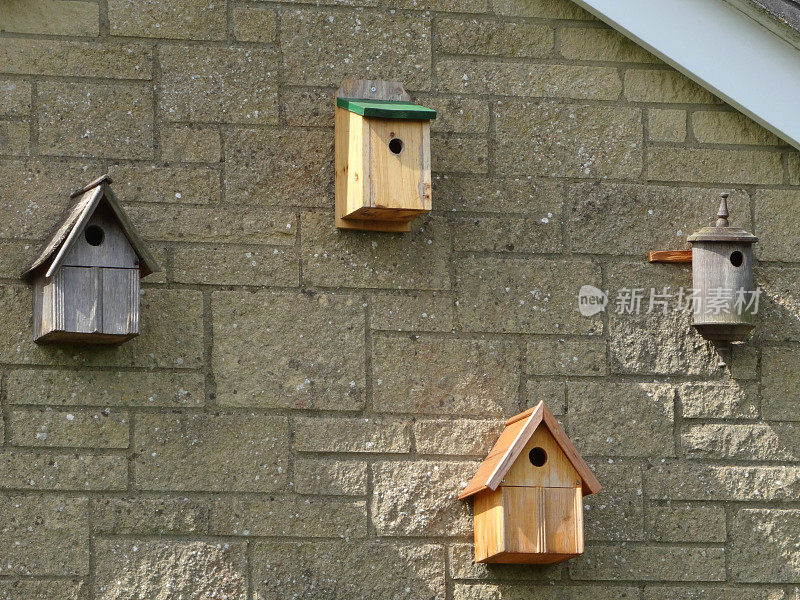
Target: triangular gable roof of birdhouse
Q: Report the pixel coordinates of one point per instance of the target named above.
(509, 445)
(87, 200)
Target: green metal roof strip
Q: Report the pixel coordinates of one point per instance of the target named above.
(387, 109)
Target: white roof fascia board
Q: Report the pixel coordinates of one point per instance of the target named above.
(720, 48)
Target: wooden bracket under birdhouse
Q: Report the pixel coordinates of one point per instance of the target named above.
(670, 256)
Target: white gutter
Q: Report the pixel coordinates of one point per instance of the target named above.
(722, 49)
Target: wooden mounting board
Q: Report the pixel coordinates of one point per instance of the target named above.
(670, 256)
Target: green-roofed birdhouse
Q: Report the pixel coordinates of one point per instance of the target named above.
(383, 157)
(86, 277)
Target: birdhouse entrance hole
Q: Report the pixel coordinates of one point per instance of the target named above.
(94, 235)
(737, 258)
(537, 456)
(396, 145)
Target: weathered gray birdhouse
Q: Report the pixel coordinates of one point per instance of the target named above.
(86, 277)
(725, 298)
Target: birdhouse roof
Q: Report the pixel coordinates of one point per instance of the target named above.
(509, 445)
(386, 109)
(85, 202)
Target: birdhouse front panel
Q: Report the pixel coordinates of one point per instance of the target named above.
(86, 280)
(528, 494)
(383, 163)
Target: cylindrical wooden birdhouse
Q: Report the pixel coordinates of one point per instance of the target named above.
(724, 296)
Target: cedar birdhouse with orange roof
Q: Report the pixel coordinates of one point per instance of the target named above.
(528, 493)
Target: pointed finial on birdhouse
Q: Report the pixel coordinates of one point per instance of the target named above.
(722, 213)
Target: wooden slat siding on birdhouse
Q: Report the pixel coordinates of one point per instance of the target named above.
(382, 157)
(528, 493)
(86, 277)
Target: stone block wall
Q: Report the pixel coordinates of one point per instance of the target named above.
(304, 404)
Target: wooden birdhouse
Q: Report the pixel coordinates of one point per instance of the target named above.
(528, 493)
(725, 300)
(383, 157)
(86, 277)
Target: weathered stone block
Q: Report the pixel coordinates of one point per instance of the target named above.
(562, 140)
(459, 153)
(566, 356)
(43, 589)
(230, 265)
(650, 563)
(264, 356)
(210, 452)
(709, 400)
(151, 183)
(544, 592)
(493, 38)
(190, 143)
(333, 257)
(523, 295)
(15, 138)
(255, 24)
(15, 97)
(471, 76)
(150, 515)
(73, 429)
(210, 224)
(779, 367)
(432, 375)
(666, 125)
(743, 442)
(286, 167)
(419, 311)
(553, 393)
(616, 512)
(420, 498)
(51, 17)
(220, 85)
(37, 470)
(290, 516)
(624, 419)
(664, 85)
(660, 340)
(396, 45)
(129, 569)
(455, 114)
(338, 570)
(686, 523)
(779, 304)
(601, 44)
(764, 546)
(718, 127)
(25, 56)
(710, 165)
(44, 535)
(95, 119)
(524, 195)
(330, 477)
(644, 217)
(545, 9)
(714, 593)
(776, 234)
(351, 435)
(178, 19)
(104, 388)
(508, 234)
(682, 481)
(463, 437)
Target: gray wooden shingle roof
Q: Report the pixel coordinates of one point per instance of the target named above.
(86, 200)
